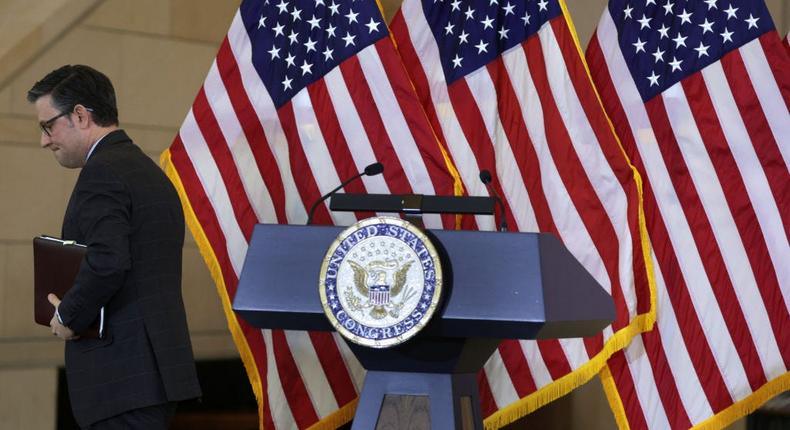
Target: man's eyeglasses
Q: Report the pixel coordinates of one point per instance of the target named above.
(46, 126)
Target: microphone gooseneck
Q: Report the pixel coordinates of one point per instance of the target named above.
(370, 170)
(485, 178)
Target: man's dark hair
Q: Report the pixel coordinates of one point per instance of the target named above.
(78, 84)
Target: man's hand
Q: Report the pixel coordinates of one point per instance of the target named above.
(59, 329)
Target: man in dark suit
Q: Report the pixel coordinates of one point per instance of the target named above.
(128, 214)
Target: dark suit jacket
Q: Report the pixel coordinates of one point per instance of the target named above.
(127, 212)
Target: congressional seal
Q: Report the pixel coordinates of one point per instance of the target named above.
(381, 281)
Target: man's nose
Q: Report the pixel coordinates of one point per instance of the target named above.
(45, 140)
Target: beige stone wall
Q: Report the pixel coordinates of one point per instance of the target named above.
(157, 53)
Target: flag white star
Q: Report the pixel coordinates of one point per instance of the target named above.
(627, 11)
(526, 18)
(645, 22)
(680, 41)
(711, 4)
(653, 78)
(675, 63)
(702, 50)
(457, 61)
(283, 6)
(328, 54)
(542, 4)
(668, 7)
(509, 9)
(274, 52)
(726, 36)
(490, 2)
(664, 31)
(658, 55)
(314, 22)
(330, 31)
(456, 5)
(334, 8)
(262, 22)
(352, 17)
(448, 29)
(640, 46)
(290, 60)
(310, 45)
(685, 17)
(278, 30)
(706, 26)
(463, 37)
(503, 33)
(372, 26)
(752, 21)
(487, 23)
(649, 2)
(470, 13)
(306, 68)
(481, 47)
(287, 83)
(731, 12)
(321, 2)
(296, 14)
(349, 39)
(293, 36)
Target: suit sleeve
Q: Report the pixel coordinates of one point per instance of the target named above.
(103, 206)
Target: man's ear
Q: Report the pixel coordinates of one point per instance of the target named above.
(83, 116)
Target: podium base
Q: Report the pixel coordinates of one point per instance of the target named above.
(410, 400)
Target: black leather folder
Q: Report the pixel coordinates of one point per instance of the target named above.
(56, 263)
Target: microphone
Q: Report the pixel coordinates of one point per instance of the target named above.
(371, 170)
(485, 178)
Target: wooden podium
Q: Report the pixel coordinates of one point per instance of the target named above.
(497, 286)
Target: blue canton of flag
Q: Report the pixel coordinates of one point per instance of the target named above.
(296, 42)
(664, 42)
(471, 33)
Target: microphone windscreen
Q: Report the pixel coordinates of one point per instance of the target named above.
(485, 176)
(374, 169)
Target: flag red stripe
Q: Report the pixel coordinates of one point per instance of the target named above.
(331, 361)
(416, 73)
(522, 146)
(705, 241)
(369, 114)
(305, 182)
(415, 116)
(624, 382)
(665, 381)
(335, 142)
(762, 139)
(554, 357)
(579, 188)
(209, 128)
(779, 63)
(253, 131)
(204, 212)
(475, 131)
(487, 404)
(593, 345)
(609, 146)
(693, 337)
(419, 80)
(295, 391)
(740, 206)
(516, 364)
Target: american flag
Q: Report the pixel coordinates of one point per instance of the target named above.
(302, 95)
(505, 86)
(698, 92)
